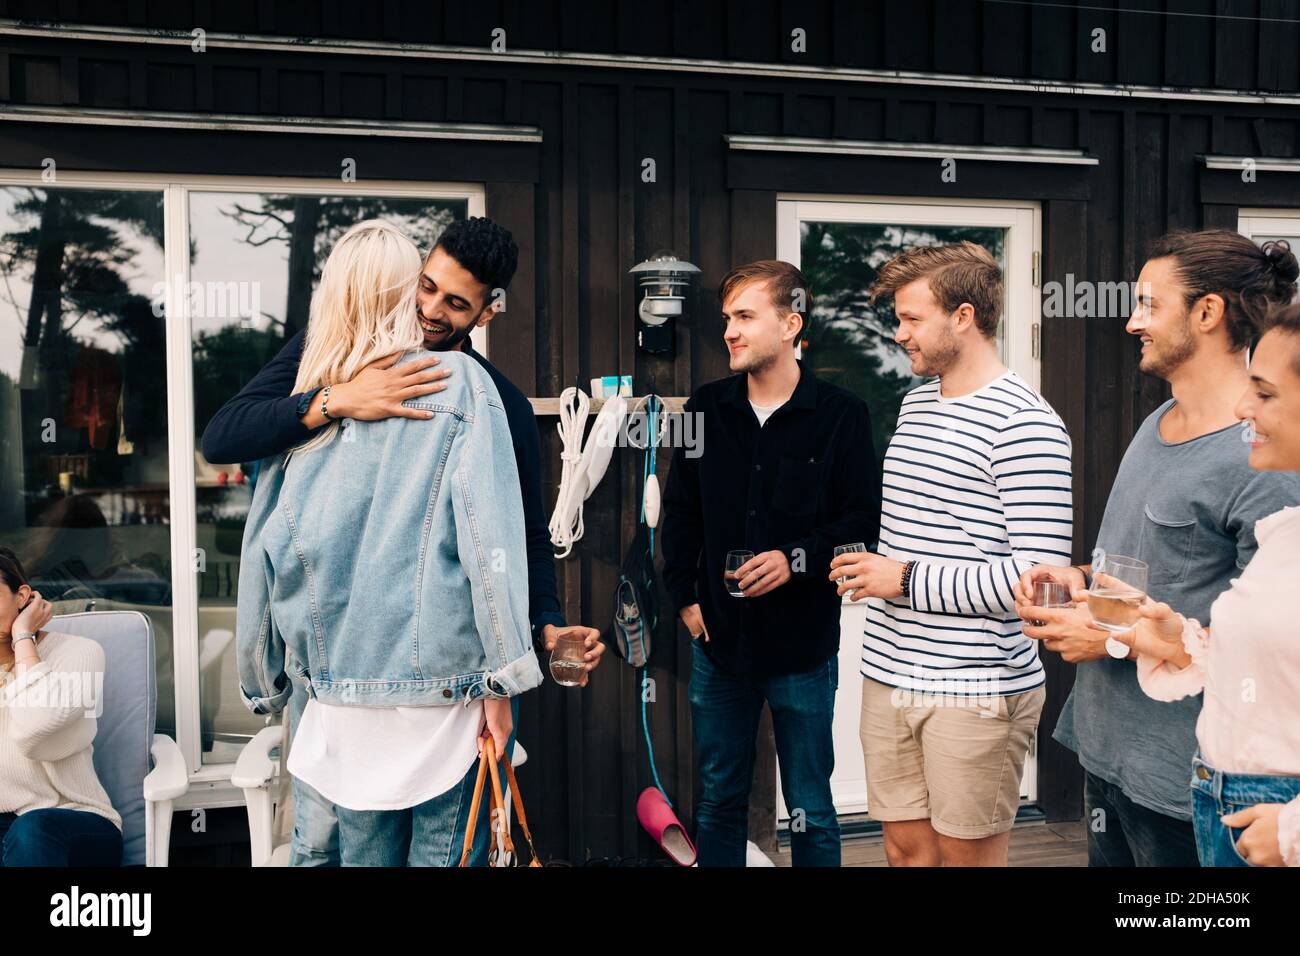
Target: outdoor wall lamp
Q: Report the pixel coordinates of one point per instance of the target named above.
(664, 280)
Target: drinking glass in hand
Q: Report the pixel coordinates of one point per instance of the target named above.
(735, 559)
(1119, 585)
(1050, 594)
(568, 660)
(857, 547)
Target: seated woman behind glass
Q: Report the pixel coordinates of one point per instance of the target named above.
(53, 809)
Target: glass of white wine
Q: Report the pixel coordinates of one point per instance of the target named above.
(1119, 586)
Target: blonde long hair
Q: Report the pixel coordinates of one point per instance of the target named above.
(363, 309)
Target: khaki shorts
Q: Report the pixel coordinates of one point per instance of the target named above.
(957, 763)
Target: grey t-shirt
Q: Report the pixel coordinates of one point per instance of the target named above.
(1189, 511)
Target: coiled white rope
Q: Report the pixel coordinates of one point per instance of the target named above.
(566, 521)
(582, 470)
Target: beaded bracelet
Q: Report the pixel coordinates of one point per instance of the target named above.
(325, 403)
(906, 582)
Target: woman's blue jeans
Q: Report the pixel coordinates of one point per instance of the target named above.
(1215, 793)
(57, 836)
(315, 839)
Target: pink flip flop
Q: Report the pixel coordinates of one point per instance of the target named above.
(661, 823)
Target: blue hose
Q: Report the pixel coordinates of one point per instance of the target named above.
(653, 406)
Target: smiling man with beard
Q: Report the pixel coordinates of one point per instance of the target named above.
(1185, 501)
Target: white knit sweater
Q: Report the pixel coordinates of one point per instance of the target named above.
(47, 724)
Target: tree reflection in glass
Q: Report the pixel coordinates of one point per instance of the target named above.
(84, 494)
(255, 261)
(851, 341)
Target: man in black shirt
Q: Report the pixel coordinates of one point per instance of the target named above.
(787, 471)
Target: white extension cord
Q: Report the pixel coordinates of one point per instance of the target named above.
(566, 520)
(582, 466)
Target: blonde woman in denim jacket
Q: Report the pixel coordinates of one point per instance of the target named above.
(393, 593)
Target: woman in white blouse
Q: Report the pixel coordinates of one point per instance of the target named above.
(53, 809)
(1246, 778)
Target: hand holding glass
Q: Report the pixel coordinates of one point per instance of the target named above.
(856, 547)
(1119, 586)
(1117, 592)
(1048, 593)
(568, 660)
(735, 559)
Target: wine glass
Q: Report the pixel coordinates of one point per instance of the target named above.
(735, 560)
(1119, 586)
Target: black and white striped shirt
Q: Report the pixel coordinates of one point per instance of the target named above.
(977, 489)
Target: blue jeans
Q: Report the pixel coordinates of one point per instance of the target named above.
(725, 711)
(1124, 833)
(1215, 793)
(59, 837)
(429, 834)
(315, 839)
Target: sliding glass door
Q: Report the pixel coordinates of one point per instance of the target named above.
(84, 493)
(131, 308)
(255, 260)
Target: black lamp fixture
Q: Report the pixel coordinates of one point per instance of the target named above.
(664, 280)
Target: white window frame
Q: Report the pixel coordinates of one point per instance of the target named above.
(1021, 219)
(210, 783)
(1270, 222)
(1284, 223)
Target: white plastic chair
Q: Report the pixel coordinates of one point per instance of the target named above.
(255, 773)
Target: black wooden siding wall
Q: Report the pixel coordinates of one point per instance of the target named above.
(583, 217)
(1230, 44)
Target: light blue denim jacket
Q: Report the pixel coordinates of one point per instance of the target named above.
(388, 568)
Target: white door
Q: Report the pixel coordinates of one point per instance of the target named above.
(839, 243)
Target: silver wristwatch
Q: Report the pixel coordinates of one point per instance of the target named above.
(23, 636)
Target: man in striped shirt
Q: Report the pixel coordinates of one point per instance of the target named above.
(977, 489)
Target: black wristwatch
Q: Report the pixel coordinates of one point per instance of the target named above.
(305, 400)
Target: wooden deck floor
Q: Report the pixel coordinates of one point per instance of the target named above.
(1033, 843)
